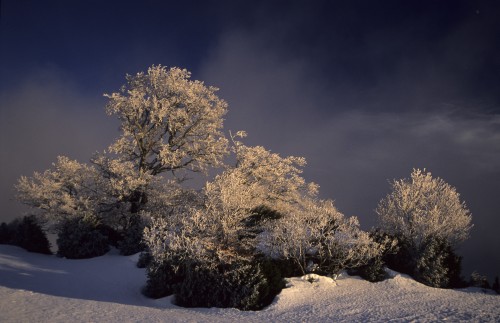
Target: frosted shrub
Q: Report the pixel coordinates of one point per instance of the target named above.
(317, 237)
(66, 190)
(428, 219)
(424, 207)
(374, 269)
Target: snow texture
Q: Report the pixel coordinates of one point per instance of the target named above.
(41, 288)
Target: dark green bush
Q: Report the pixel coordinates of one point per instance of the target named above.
(434, 263)
(80, 238)
(496, 285)
(5, 234)
(478, 280)
(114, 237)
(25, 233)
(131, 242)
(241, 285)
(30, 236)
(164, 278)
(145, 259)
(275, 282)
(431, 268)
(373, 271)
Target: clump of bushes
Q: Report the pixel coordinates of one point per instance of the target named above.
(26, 233)
(238, 283)
(434, 263)
(79, 238)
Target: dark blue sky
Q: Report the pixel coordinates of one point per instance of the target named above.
(365, 90)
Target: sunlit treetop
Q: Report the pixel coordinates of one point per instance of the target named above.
(168, 121)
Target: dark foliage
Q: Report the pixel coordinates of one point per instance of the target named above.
(132, 237)
(431, 267)
(247, 285)
(373, 271)
(27, 234)
(5, 233)
(241, 285)
(30, 236)
(114, 237)
(478, 280)
(164, 278)
(403, 260)
(80, 238)
(145, 259)
(496, 285)
(253, 224)
(286, 267)
(274, 278)
(434, 263)
(453, 263)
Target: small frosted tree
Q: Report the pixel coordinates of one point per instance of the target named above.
(318, 238)
(259, 180)
(427, 217)
(66, 191)
(424, 207)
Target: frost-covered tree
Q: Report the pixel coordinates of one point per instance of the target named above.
(423, 207)
(67, 190)
(260, 179)
(168, 122)
(318, 238)
(170, 125)
(427, 217)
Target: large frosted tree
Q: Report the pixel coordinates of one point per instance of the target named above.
(170, 124)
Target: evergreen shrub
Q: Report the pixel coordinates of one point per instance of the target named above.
(80, 238)
(241, 285)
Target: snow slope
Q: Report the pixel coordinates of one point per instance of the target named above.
(42, 288)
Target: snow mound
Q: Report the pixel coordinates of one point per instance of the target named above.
(41, 288)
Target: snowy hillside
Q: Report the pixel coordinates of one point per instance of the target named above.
(39, 288)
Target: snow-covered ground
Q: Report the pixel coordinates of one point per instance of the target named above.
(40, 288)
